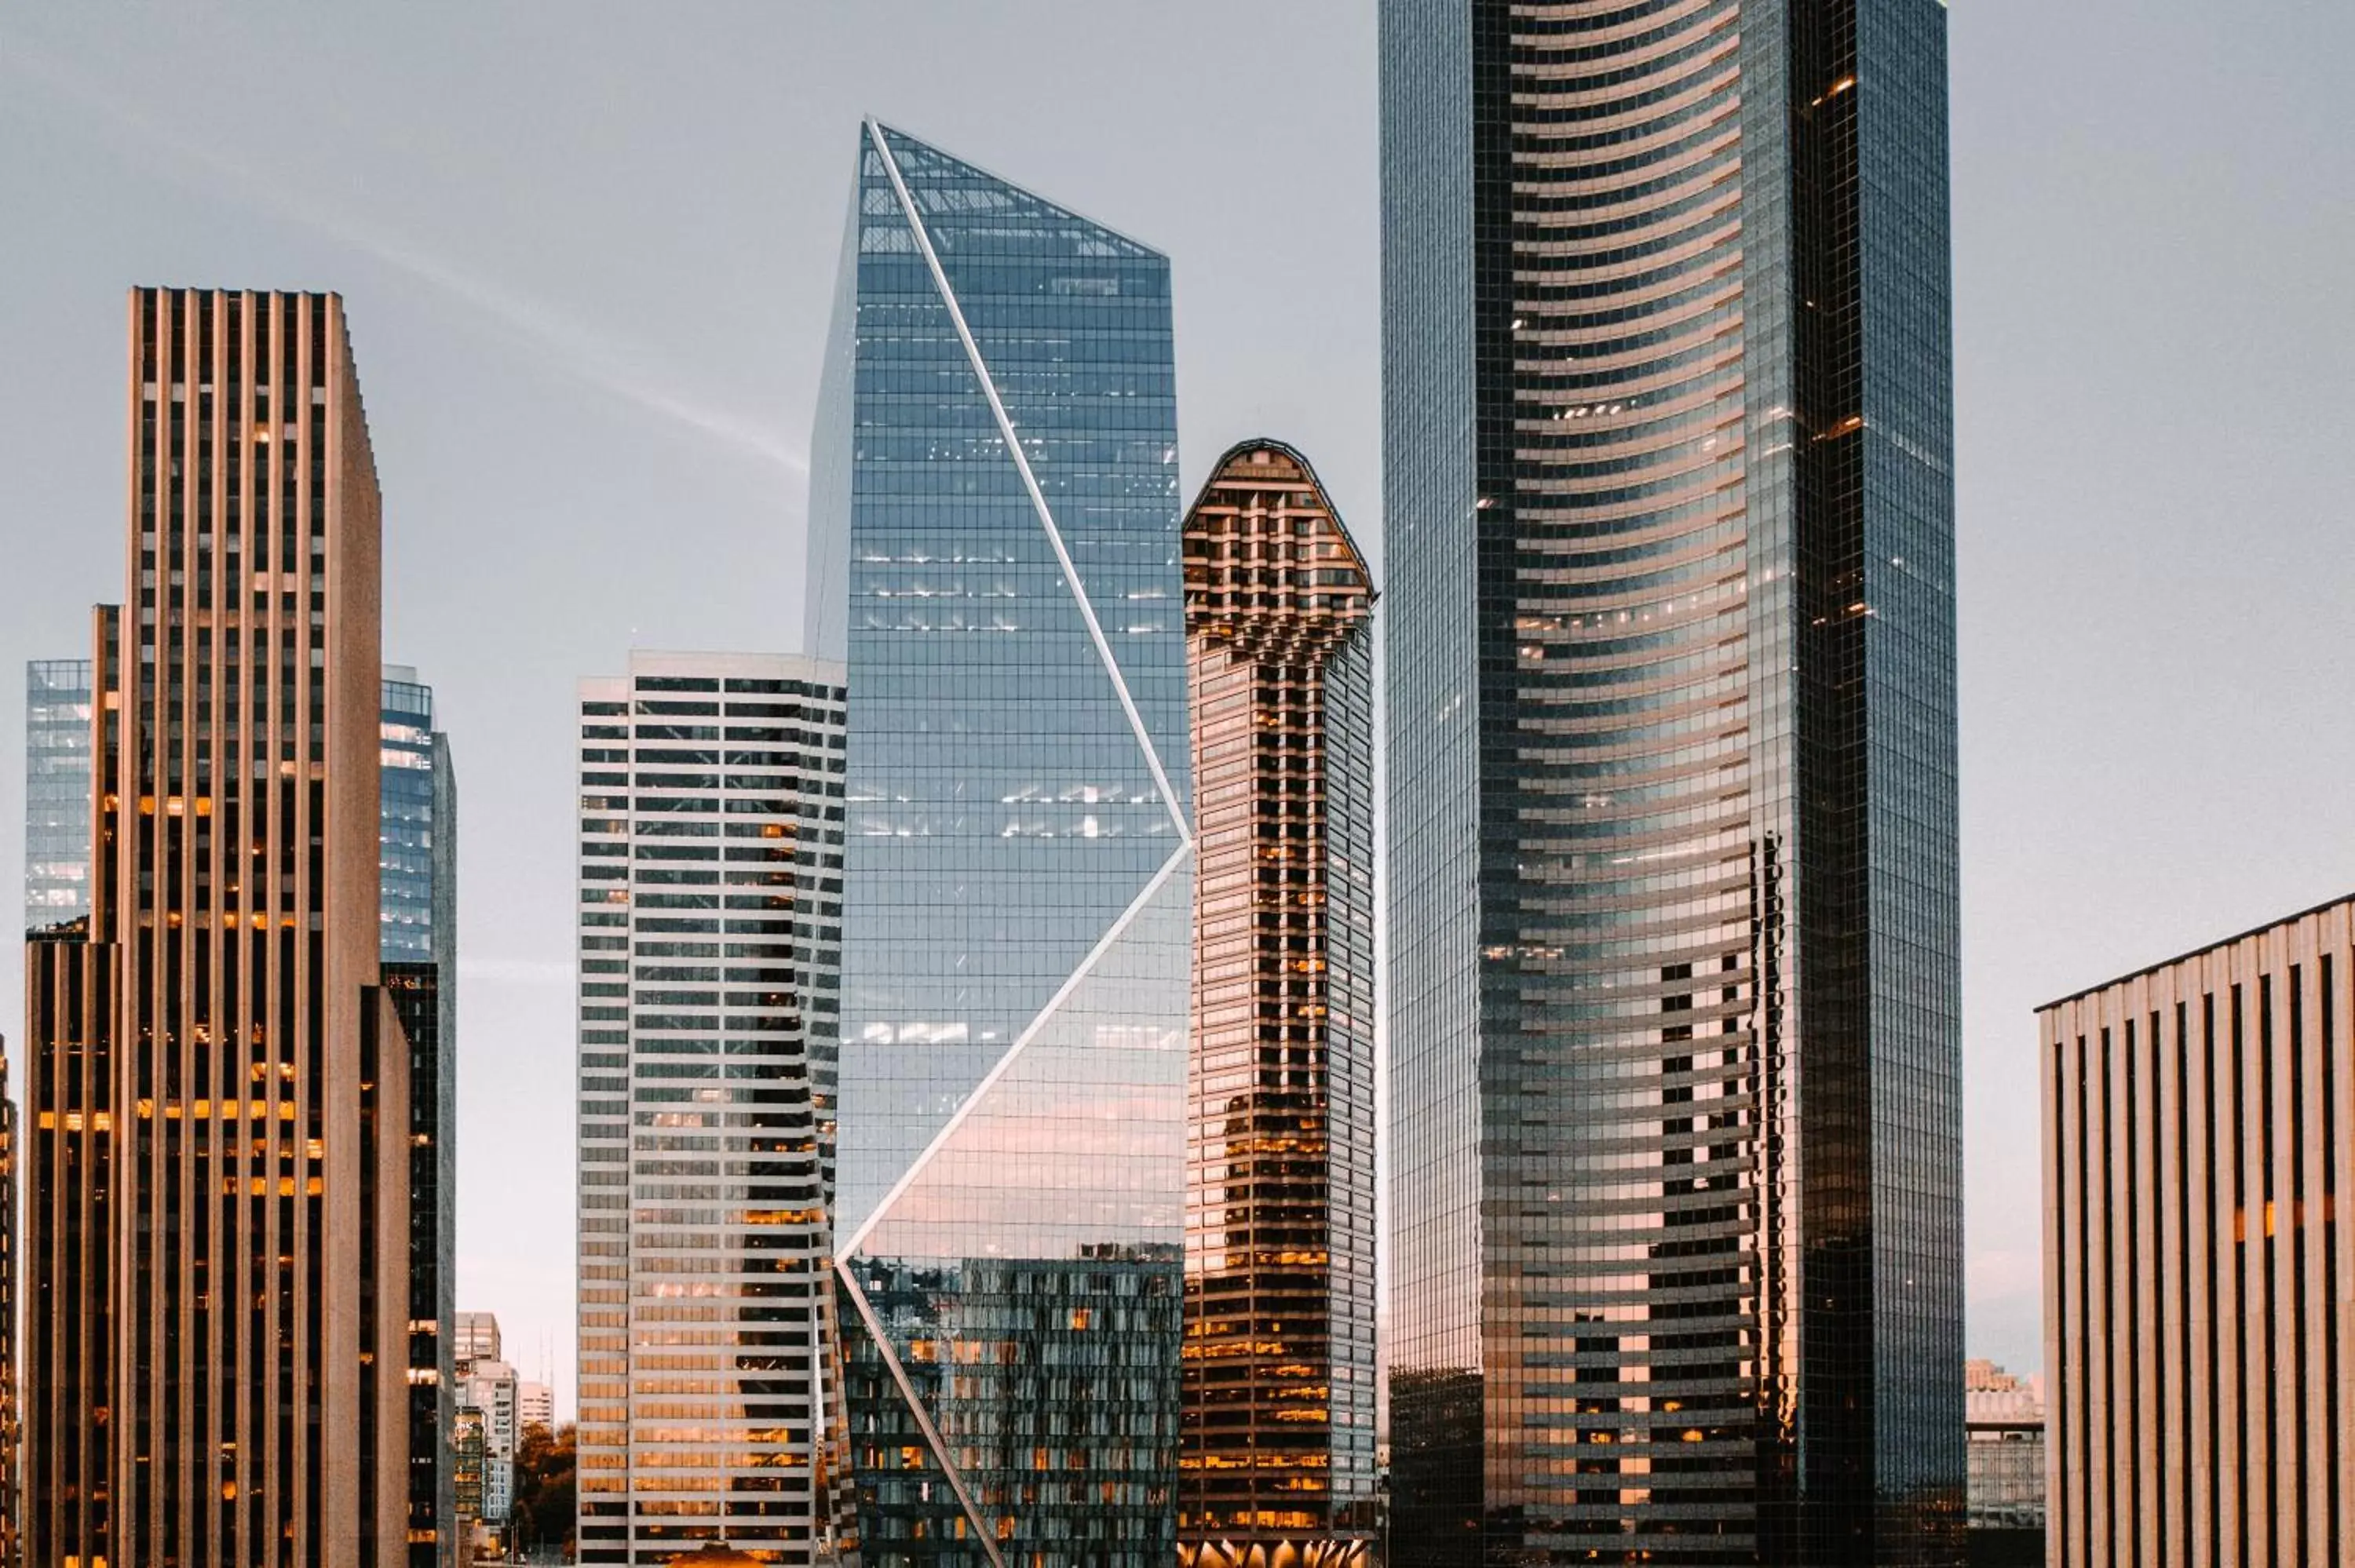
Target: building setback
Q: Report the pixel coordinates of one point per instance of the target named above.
(710, 924)
(1668, 536)
(1277, 1458)
(994, 528)
(218, 1212)
(2198, 1279)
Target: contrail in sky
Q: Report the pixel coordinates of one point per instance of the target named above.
(568, 346)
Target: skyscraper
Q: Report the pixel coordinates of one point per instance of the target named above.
(417, 914)
(417, 911)
(994, 550)
(711, 918)
(1669, 530)
(2198, 1279)
(219, 1090)
(1277, 1465)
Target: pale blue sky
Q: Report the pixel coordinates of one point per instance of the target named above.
(589, 249)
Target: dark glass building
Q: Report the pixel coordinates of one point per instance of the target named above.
(1276, 1467)
(417, 920)
(1669, 526)
(994, 554)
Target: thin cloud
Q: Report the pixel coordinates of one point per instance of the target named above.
(565, 344)
(517, 971)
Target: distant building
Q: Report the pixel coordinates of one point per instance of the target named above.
(535, 1406)
(58, 803)
(710, 888)
(490, 1387)
(417, 915)
(2004, 1421)
(466, 1452)
(2198, 1279)
(477, 1339)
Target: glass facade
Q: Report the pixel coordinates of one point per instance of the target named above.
(57, 802)
(1278, 1463)
(994, 550)
(710, 885)
(1676, 1142)
(417, 915)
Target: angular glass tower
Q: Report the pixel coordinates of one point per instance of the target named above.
(994, 553)
(1669, 516)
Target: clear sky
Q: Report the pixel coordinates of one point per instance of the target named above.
(589, 253)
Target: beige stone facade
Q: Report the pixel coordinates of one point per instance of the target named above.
(217, 1112)
(2200, 1273)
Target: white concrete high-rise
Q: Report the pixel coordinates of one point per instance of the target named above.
(711, 897)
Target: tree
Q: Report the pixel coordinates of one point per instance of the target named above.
(541, 1513)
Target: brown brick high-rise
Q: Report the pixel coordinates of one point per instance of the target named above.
(218, 1215)
(1276, 1460)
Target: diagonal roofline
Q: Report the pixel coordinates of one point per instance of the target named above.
(874, 126)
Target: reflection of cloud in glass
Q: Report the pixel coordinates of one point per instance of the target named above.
(1081, 1140)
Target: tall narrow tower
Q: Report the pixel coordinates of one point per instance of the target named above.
(993, 532)
(219, 1088)
(1277, 1465)
(1670, 537)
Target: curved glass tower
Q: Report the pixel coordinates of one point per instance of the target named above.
(1669, 503)
(994, 553)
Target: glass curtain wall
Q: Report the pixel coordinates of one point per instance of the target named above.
(994, 551)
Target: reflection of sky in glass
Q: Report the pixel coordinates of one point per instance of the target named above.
(57, 791)
(1002, 813)
(1018, 867)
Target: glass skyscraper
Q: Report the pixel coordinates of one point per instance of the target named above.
(994, 553)
(711, 888)
(56, 793)
(1669, 518)
(417, 920)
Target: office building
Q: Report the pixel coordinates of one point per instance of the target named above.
(417, 913)
(710, 879)
(993, 551)
(2199, 1282)
(1669, 521)
(491, 1387)
(535, 1406)
(1277, 1456)
(224, 1383)
(466, 1463)
(476, 1339)
(417, 910)
(56, 793)
(2004, 1423)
